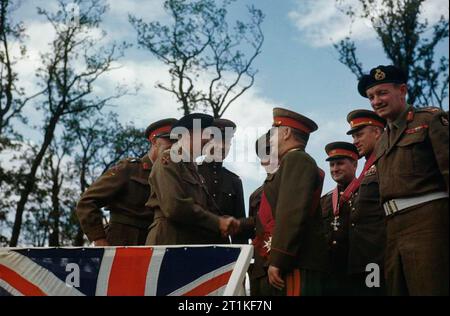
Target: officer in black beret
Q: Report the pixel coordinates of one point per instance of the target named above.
(413, 170)
(185, 213)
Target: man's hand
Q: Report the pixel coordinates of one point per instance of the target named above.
(101, 243)
(275, 277)
(235, 227)
(227, 225)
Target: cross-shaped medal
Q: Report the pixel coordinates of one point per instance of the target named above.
(335, 223)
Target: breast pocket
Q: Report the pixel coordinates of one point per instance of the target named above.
(411, 153)
(367, 202)
(195, 189)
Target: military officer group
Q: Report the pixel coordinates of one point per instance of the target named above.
(393, 216)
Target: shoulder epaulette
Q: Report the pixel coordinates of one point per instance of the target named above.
(428, 109)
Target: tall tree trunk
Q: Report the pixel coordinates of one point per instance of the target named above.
(55, 214)
(31, 180)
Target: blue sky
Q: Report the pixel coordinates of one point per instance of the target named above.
(298, 69)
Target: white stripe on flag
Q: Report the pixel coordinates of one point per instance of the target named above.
(9, 288)
(104, 272)
(151, 281)
(44, 279)
(218, 292)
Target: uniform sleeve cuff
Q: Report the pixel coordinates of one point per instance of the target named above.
(281, 260)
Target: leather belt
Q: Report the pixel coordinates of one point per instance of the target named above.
(396, 205)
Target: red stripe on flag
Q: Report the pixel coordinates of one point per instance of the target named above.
(19, 283)
(210, 285)
(129, 271)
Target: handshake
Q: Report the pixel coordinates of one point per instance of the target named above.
(228, 226)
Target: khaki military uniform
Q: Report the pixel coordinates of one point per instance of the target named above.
(412, 161)
(185, 213)
(298, 246)
(226, 189)
(123, 190)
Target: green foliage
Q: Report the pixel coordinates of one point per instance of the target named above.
(408, 43)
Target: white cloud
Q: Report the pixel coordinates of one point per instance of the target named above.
(322, 23)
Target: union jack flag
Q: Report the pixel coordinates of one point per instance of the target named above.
(128, 271)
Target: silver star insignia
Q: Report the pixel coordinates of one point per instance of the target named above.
(268, 244)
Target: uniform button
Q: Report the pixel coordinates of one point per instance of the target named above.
(229, 194)
(215, 181)
(214, 195)
(353, 209)
(215, 172)
(334, 242)
(353, 225)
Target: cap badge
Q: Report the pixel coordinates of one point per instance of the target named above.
(379, 75)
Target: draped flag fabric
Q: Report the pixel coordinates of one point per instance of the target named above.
(127, 271)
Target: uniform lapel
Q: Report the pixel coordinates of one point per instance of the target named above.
(382, 145)
(402, 124)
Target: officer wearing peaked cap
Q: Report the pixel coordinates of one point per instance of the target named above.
(290, 211)
(185, 213)
(123, 190)
(412, 166)
(259, 285)
(225, 186)
(367, 229)
(343, 159)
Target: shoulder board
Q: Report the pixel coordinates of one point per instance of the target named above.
(429, 109)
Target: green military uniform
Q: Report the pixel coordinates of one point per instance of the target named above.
(258, 270)
(123, 190)
(296, 244)
(367, 220)
(412, 164)
(336, 219)
(337, 236)
(185, 213)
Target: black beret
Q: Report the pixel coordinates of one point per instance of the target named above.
(159, 128)
(187, 121)
(361, 118)
(339, 150)
(224, 125)
(379, 75)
